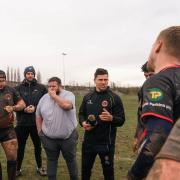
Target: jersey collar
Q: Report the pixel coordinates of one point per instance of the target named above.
(170, 67)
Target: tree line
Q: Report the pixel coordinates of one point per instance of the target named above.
(14, 75)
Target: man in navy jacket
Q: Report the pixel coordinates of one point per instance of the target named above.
(31, 92)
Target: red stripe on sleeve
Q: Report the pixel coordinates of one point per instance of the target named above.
(156, 115)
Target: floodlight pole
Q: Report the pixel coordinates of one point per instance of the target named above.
(64, 78)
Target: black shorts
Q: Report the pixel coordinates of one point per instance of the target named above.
(7, 134)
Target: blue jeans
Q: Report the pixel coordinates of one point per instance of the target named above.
(67, 147)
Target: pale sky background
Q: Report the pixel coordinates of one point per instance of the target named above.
(113, 34)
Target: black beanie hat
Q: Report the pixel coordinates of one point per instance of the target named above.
(2, 74)
(29, 69)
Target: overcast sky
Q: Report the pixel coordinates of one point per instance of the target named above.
(113, 34)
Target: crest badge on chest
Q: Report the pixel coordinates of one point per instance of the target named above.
(104, 103)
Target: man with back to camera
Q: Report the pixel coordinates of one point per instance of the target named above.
(56, 124)
(161, 99)
(31, 92)
(100, 113)
(10, 101)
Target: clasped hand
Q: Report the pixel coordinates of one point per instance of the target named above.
(29, 109)
(105, 115)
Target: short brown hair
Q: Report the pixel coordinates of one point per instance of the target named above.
(171, 38)
(56, 79)
(100, 71)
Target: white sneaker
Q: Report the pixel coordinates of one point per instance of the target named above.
(42, 171)
(18, 173)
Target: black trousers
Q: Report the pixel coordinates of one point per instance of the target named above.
(23, 133)
(106, 154)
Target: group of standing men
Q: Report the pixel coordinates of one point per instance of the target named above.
(101, 112)
(50, 118)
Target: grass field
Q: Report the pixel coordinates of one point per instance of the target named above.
(123, 156)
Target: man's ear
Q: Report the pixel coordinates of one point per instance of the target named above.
(158, 46)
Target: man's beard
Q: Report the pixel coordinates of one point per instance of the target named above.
(57, 92)
(29, 80)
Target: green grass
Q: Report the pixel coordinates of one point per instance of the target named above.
(123, 155)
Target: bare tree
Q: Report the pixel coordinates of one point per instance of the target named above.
(113, 85)
(11, 74)
(15, 77)
(18, 76)
(7, 74)
(89, 84)
(39, 76)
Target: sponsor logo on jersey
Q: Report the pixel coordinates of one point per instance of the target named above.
(7, 96)
(155, 94)
(89, 101)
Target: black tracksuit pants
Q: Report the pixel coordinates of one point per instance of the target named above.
(23, 133)
(106, 154)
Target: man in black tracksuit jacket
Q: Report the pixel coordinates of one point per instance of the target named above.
(31, 92)
(100, 113)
